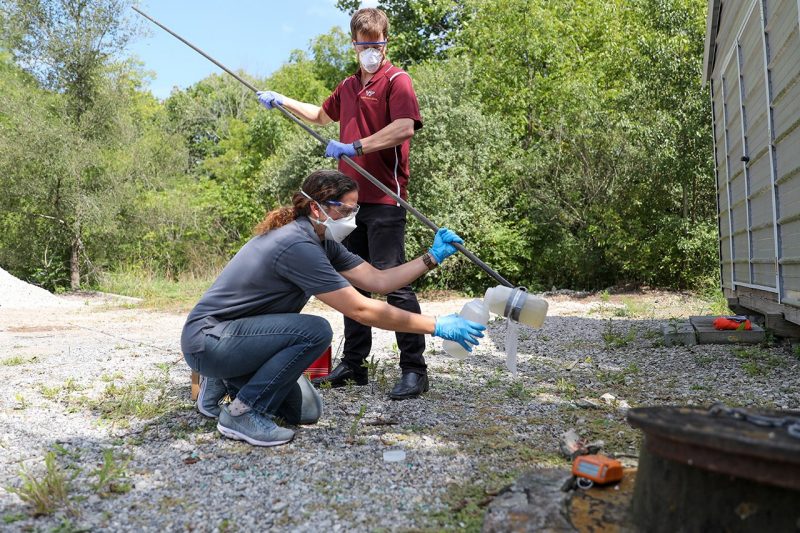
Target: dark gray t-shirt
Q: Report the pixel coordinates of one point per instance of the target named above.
(273, 273)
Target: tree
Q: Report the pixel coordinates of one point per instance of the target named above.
(67, 45)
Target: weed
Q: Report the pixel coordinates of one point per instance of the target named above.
(614, 339)
(632, 368)
(326, 385)
(11, 518)
(622, 311)
(517, 390)
(566, 388)
(796, 351)
(51, 393)
(605, 297)
(354, 426)
(111, 475)
(495, 380)
(45, 495)
(22, 402)
(13, 361)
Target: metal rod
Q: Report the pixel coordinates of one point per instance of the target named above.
(358, 168)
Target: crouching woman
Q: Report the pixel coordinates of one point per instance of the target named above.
(246, 336)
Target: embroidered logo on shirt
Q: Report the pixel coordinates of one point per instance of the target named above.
(370, 93)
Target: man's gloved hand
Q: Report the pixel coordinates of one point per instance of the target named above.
(442, 244)
(454, 328)
(337, 149)
(269, 99)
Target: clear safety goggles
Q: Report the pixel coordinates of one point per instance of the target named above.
(343, 209)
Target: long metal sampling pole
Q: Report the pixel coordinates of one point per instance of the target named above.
(408, 207)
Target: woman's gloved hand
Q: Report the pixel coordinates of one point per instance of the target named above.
(442, 244)
(454, 328)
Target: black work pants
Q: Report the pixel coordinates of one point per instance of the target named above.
(379, 238)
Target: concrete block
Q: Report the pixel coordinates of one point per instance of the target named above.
(681, 334)
(706, 334)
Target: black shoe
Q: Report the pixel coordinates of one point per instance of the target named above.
(341, 375)
(411, 385)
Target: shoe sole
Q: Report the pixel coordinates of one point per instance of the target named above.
(235, 435)
(200, 403)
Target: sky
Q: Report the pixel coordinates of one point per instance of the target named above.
(240, 34)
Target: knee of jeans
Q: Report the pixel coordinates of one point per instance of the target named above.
(322, 332)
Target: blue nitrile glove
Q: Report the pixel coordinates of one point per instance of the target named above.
(454, 328)
(442, 247)
(269, 99)
(337, 149)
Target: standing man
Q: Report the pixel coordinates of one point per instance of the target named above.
(378, 113)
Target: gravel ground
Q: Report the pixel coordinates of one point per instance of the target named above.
(95, 384)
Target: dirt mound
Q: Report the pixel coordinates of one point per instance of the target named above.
(17, 294)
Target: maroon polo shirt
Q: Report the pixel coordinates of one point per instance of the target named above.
(363, 110)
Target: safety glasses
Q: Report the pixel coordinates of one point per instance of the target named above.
(343, 209)
(361, 45)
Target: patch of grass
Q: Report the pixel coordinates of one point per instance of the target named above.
(14, 517)
(143, 399)
(15, 360)
(703, 360)
(637, 308)
(714, 300)
(157, 291)
(45, 494)
(466, 502)
(757, 361)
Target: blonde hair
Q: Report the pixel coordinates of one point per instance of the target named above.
(369, 22)
(321, 186)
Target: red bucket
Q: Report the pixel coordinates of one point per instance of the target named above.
(321, 367)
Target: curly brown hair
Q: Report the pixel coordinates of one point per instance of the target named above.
(321, 186)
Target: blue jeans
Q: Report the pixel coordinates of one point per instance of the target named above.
(262, 356)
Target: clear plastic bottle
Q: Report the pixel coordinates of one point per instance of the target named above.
(476, 311)
(533, 310)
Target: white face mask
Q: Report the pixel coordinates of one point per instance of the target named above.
(335, 230)
(370, 59)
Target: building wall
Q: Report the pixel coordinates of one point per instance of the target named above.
(755, 98)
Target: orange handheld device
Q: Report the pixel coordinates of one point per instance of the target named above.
(596, 469)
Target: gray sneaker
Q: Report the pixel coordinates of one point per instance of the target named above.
(311, 410)
(252, 427)
(212, 391)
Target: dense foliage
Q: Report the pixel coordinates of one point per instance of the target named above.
(568, 142)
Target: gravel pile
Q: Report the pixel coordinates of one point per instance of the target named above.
(17, 294)
(113, 382)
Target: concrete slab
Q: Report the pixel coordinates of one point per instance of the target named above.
(706, 334)
(680, 334)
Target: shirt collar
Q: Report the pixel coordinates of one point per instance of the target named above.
(305, 224)
(380, 72)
